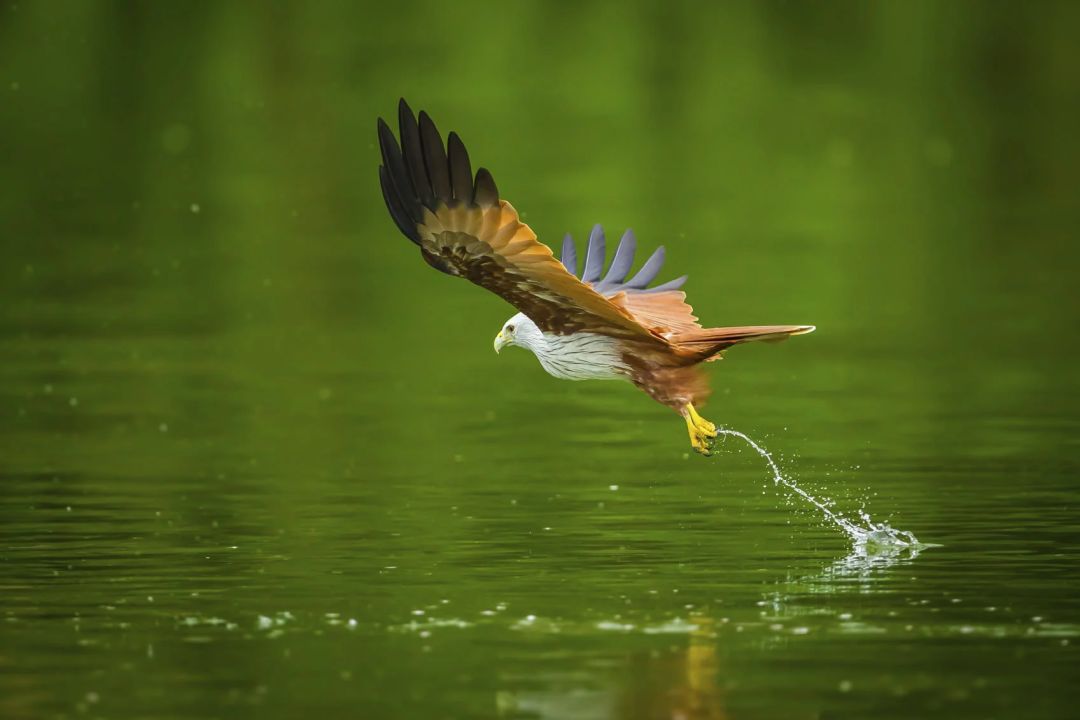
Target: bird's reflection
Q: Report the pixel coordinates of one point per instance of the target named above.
(679, 684)
(688, 680)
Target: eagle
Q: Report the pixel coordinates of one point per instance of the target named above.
(587, 325)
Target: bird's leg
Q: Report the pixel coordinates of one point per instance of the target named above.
(707, 427)
(697, 441)
(701, 430)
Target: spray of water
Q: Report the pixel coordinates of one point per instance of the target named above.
(867, 536)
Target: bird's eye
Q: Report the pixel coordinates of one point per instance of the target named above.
(509, 328)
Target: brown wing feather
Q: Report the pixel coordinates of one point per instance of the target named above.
(494, 249)
(707, 343)
(664, 312)
(464, 229)
(668, 314)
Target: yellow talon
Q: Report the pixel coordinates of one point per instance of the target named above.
(706, 427)
(701, 431)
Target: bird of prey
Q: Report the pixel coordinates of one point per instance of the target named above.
(580, 326)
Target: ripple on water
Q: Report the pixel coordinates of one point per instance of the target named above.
(777, 620)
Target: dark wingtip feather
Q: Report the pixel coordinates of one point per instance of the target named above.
(485, 193)
(397, 211)
(395, 169)
(413, 154)
(423, 172)
(435, 159)
(461, 177)
(386, 138)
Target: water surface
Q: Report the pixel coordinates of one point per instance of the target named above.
(256, 459)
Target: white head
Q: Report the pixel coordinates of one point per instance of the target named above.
(521, 331)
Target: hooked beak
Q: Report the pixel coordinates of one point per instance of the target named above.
(502, 340)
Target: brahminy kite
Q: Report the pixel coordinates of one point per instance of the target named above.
(592, 325)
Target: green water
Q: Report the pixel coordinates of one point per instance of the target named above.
(258, 460)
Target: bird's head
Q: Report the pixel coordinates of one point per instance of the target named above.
(518, 330)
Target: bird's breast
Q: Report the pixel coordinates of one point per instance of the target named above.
(582, 356)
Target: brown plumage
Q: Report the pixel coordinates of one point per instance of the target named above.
(579, 328)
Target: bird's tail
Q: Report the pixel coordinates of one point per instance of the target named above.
(709, 343)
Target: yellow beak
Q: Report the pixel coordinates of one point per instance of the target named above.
(501, 341)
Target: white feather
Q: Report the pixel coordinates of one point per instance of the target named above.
(579, 356)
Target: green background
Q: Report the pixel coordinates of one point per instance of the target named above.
(237, 411)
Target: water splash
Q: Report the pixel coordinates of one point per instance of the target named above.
(869, 538)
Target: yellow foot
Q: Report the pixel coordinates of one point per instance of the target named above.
(707, 427)
(702, 432)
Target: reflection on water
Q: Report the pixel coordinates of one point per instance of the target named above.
(682, 683)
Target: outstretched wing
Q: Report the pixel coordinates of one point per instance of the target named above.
(661, 308)
(464, 229)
